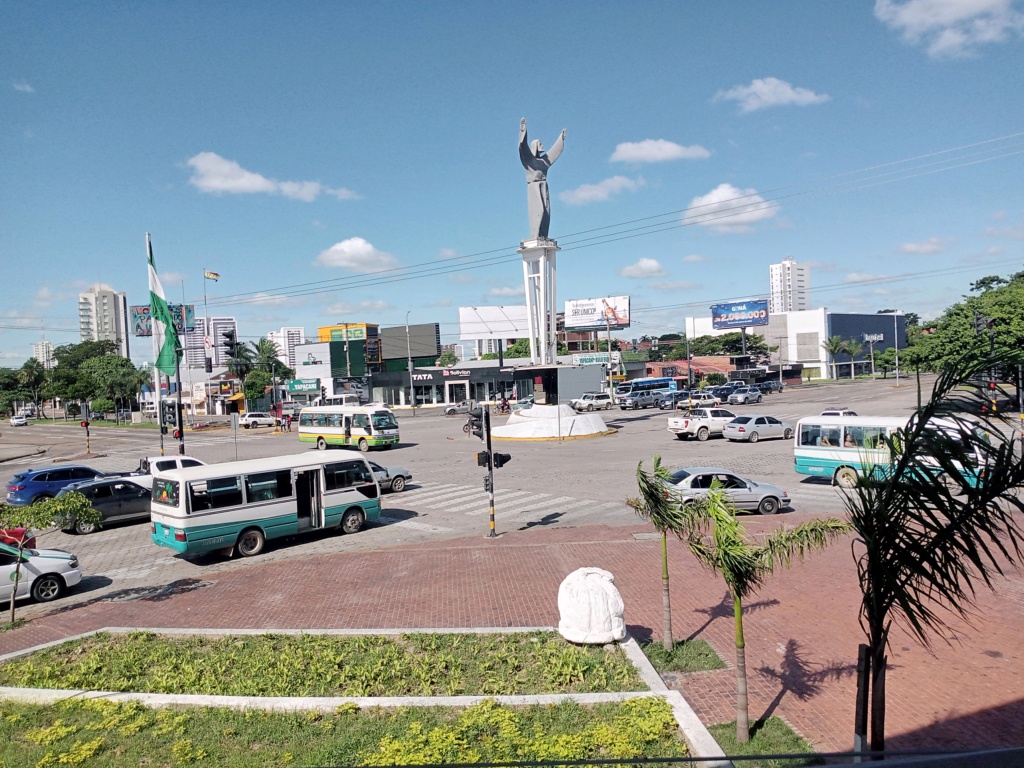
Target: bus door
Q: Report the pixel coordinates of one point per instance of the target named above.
(308, 497)
(348, 429)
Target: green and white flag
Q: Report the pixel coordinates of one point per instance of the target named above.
(165, 337)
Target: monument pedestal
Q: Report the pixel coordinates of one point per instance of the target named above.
(541, 310)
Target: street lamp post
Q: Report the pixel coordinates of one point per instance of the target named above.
(408, 353)
(781, 356)
(896, 344)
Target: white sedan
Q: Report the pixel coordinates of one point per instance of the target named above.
(753, 427)
(21, 420)
(46, 574)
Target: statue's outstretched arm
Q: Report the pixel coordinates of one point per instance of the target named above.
(556, 149)
(525, 156)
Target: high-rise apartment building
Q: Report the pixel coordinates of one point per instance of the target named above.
(103, 316)
(286, 340)
(790, 287)
(43, 352)
(194, 341)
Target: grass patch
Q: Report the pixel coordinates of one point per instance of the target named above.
(685, 656)
(326, 665)
(107, 734)
(767, 737)
(11, 625)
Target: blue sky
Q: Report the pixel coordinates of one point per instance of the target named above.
(296, 148)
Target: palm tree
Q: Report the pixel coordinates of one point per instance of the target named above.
(833, 346)
(656, 506)
(721, 544)
(940, 517)
(852, 347)
(243, 361)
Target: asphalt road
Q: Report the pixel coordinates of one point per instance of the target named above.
(561, 484)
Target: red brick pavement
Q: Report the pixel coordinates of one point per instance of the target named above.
(801, 629)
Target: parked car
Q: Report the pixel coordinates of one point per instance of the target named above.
(637, 400)
(151, 464)
(256, 419)
(838, 411)
(773, 385)
(691, 483)
(591, 401)
(118, 500)
(755, 427)
(745, 395)
(11, 537)
(722, 392)
(701, 423)
(462, 407)
(669, 400)
(45, 575)
(701, 398)
(392, 479)
(19, 420)
(32, 485)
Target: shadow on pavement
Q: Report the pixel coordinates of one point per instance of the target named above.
(724, 610)
(146, 594)
(546, 520)
(797, 676)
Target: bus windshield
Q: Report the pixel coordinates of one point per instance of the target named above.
(384, 420)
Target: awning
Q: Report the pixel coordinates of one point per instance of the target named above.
(237, 396)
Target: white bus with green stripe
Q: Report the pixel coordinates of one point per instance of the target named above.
(239, 505)
(363, 426)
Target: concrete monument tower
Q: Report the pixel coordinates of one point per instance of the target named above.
(539, 250)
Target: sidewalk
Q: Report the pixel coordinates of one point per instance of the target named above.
(801, 629)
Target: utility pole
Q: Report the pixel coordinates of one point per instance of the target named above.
(608, 326)
(408, 354)
(781, 338)
(896, 344)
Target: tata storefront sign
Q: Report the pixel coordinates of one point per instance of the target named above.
(298, 386)
(741, 314)
(594, 314)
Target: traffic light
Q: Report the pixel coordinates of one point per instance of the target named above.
(501, 459)
(176, 434)
(483, 459)
(634, 345)
(476, 423)
(323, 395)
(487, 483)
(231, 344)
(208, 364)
(85, 424)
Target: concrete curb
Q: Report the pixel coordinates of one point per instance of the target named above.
(696, 734)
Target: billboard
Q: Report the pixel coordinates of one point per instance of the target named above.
(184, 319)
(493, 323)
(422, 340)
(594, 314)
(739, 314)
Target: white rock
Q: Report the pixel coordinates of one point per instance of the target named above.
(590, 608)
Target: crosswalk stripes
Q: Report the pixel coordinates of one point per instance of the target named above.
(447, 499)
(499, 499)
(412, 524)
(516, 506)
(421, 494)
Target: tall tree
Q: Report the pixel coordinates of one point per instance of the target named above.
(833, 345)
(112, 376)
(32, 376)
(923, 546)
(267, 358)
(853, 348)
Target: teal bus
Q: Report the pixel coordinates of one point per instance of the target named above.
(239, 505)
(363, 426)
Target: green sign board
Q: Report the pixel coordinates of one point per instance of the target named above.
(353, 332)
(304, 385)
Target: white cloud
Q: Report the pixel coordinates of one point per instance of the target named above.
(931, 245)
(770, 92)
(1017, 233)
(951, 28)
(447, 253)
(598, 193)
(656, 151)
(507, 290)
(729, 209)
(673, 285)
(356, 255)
(461, 277)
(995, 250)
(694, 258)
(24, 87)
(643, 268)
(351, 308)
(214, 174)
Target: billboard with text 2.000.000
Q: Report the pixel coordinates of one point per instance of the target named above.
(590, 314)
(740, 314)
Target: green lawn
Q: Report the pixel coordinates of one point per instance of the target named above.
(767, 737)
(685, 656)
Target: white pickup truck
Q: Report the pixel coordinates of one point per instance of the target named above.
(701, 423)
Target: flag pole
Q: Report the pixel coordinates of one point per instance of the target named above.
(156, 371)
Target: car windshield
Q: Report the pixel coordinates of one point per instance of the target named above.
(382, 420)
(678, 476)
(741, 420)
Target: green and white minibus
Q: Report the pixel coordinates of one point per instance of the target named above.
(365, 426)
(238, 505)
(842, 447)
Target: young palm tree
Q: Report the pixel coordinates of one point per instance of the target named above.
(940, 517)
(658, 507)
(833, 345)
(852, 347)
(721, 544)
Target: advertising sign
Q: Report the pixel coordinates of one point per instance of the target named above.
(594, 314)
(372, 350)
(351, 333)
(184, 319)
(304, 385)
(741, 314)
(593, 358)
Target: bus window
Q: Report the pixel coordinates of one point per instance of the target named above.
(810, 434)
(864, 437)
(305, 420)
(334, 420)
(346, 474)
(361, 421)
(215, 493)
(267, 486)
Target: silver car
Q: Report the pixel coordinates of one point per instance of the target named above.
(745, 395)
(690, 483)
(754, 427)
(391, 479)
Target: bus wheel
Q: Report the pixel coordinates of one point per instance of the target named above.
(251, 542)
(846, 477)
(352, 521)
(321, 444)
(363, 445)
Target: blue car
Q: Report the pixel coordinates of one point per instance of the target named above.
(33, 485)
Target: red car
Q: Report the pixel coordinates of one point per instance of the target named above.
(11, 537)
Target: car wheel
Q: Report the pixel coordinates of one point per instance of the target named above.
(248, 425)
(590, 406)
(363, 445)
(352, 521)
(787, 434)
(321, 444)
(47, 587)
(768, 506)
(636, 406)
(758, 399)
(251, 542)
(83, 529)
(702, 434)
(846, 477)
(397, 484)
(608, 407)
(754, 437)
(42, 497)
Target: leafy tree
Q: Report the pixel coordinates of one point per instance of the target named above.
(720, 543)
(729, 344)
(657, 506)
(521, 348)
(715, 379)
(32, 377)
(922, 546)
(42, 516)
(242, 363)
(102, 405)
(886, 360)
(853, 348)
(987, 284)
(113, 376)
(68, 381)
(602, 345)
(11, 390)
(670, 337)
(256, 384)
(449, 358)
(833, 346)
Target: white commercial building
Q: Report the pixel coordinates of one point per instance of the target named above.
(103, 316)
(286, 340)
(790, 287)
(194, 341)
(43, 352)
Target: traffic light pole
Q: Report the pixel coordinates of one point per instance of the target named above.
(181, 425)
(490, 471)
